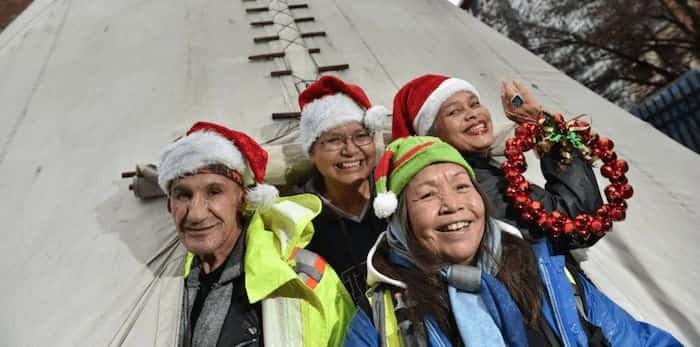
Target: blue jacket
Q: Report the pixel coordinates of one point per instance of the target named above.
(498, 304)
(558, 308)
(361, 332)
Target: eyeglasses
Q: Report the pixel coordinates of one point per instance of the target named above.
(337, 142)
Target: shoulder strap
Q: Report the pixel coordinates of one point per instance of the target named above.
(573, 271)
(391, 320)
(384, 318)
(550, 335)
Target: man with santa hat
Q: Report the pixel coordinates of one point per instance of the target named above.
(248, 279)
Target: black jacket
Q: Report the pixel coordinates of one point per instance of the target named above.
(220, 298)
(572, 189)
(345, 242)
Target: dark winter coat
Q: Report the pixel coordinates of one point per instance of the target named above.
(571, 189)
(226, 317)
(344, 242)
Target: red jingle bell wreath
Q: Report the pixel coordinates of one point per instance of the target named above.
(551, 134)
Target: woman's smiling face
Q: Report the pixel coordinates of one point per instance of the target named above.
(446, 213)
(349, 163)
(465, 123)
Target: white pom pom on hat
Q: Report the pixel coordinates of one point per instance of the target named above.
(404, 158)
(378, 118)
(385, 204)
(262, 196)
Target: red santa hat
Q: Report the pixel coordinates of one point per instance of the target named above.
(208, 143)
(329, 102)
(417, 103)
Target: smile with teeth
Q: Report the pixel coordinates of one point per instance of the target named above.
(349, 164)
(456, 226)
(477, 129)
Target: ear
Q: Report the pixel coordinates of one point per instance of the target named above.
(243, 198)
(312, 150)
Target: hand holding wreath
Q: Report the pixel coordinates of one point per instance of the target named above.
(552, 133)
(519, 104)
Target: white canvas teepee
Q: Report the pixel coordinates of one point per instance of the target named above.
(88, 88)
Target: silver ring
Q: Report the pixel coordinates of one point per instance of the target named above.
(517, 100)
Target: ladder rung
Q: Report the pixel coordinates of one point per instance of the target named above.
(286, 115)
(257, 9)
(313, 34)
(266, 38)
(279, 73)
(262, 23)
(338, 67)
(266, 56)
(304, 19)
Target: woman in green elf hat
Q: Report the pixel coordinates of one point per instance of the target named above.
(445, 273)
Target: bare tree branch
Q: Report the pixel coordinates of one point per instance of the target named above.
(597, 43)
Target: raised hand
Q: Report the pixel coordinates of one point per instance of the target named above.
(519, 104)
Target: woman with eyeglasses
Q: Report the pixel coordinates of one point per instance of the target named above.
(336, 130)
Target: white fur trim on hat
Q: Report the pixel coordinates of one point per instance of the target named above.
(428, 111)
(262, 197)
(195, 151)
(385, 204)
(378, 118)
(327, 113)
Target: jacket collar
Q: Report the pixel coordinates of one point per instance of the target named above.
(233, 266)
(373, 275)
(312, 186)
(273, 235)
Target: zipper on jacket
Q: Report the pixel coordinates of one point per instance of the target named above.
(431, 330)
(553, 303)
(247, 343)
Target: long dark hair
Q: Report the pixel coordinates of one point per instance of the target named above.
(517, 270)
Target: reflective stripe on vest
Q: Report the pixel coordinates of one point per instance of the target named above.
(309, 266)
(385, 318)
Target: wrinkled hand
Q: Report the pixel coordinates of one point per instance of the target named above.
(530, 110)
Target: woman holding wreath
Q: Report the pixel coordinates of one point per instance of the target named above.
(445, 274)
(451, 109)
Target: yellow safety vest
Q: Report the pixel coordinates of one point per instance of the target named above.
(304, 303)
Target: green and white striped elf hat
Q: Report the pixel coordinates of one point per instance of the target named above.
(403, 159)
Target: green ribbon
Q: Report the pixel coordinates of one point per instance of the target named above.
(554, 137)
(575, 140)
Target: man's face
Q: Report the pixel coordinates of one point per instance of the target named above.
(205, 211)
